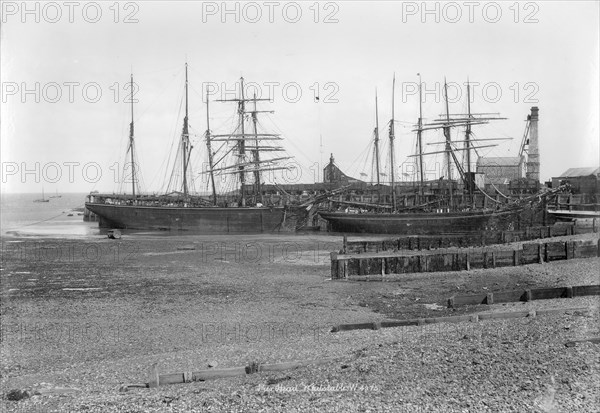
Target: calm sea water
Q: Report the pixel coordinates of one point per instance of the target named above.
(21, 216)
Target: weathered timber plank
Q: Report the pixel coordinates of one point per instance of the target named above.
(291, 365)
(356, 326)
(582, 290)
(556, 251)
(504, 315)
(509, 296)
(593, 340)
(399, 323)
(469, 299)
(548, 293)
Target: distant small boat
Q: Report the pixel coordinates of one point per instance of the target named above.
(42, 199)
(56, 196)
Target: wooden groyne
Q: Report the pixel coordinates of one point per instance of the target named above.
(473, 318)
(365, 265)
(524, 295)
(426, 242)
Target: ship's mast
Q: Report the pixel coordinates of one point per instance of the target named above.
(210, 154)
(240, 139)
(185, 137)
(448, 147)
(446, 122)
(392, 146)
(256, 153)
(419, 135)
(376, 139)
(469, 180)
(242, 142)
(447, 133)
(131, 142)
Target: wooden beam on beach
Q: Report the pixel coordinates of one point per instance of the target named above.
(156, 380)
(526, 295)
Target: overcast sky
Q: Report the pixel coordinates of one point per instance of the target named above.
(65, 69)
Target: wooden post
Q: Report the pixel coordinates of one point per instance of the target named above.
(489, 298)
(334, 265)
(528, 296)
(153, 377)
(540, 254)
(345, 245)
(493, 259)
(546, 252)
(568, 250)
(468, 260)
(485, 255)
(515, 263)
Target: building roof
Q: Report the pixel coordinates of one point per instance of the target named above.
(500, 161)
(573, 172)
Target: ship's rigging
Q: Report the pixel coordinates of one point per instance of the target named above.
(452, 148)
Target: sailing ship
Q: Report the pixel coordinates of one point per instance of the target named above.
(42, 199)
(442, 211)
(56, 196)
(243, 210)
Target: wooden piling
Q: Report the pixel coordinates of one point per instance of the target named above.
(153, 377)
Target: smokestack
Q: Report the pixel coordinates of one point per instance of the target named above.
(533, 158)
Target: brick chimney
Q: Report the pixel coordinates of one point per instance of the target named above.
(533, 158)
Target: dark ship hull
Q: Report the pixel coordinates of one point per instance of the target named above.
(196, 219)
(415, 223)
(565, 215)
